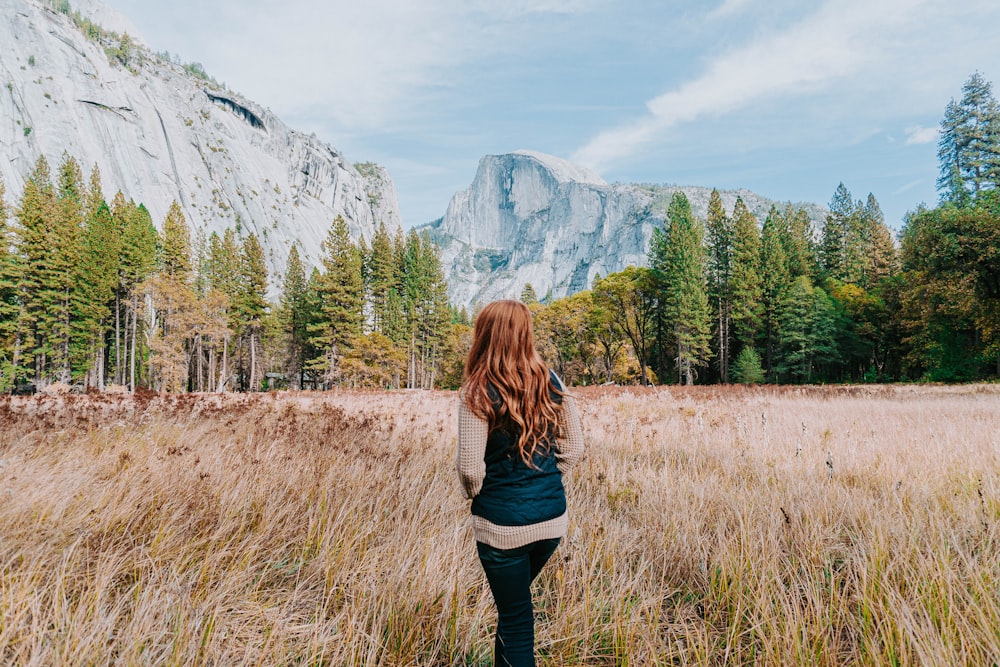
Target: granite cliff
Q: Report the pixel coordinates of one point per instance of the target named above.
(161, 132)
(534, 218)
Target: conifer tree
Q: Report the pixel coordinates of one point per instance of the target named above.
(807, 335)
(223, 270)
(313, 319)
(175, 257)
(38, 284)
(838, 236)
(774, 282)
(94, 197)
(293, 315)
(137, 260)
(528, 296)
(746, 284)
(8, 295)
(394, 318)
(880, 253)
(65, 250)
(969, 146)
(719, 268)
(797, 242)
(382, 278)
(425, 306)
(251, 306)
(340, 299)
(216, 317)
(677, 257)
(96, 277)
(747, 368)
(172, 298)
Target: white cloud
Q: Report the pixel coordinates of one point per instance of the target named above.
(836, 41)
(727, 9)
(363, 65)
(920, 135)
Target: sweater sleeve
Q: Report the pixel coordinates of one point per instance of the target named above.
(470, 463)
(570, 443)
(570, 435)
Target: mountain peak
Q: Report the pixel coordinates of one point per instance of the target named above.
(532, 218)
(563, 170)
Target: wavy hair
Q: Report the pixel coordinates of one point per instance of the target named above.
(506, 382)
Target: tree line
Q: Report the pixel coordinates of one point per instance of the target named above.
(91, 295)
(734, 299)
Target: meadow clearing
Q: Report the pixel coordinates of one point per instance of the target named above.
(710, 526)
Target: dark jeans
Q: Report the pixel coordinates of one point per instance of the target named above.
(510, 573)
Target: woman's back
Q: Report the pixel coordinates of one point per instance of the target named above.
(518, 432)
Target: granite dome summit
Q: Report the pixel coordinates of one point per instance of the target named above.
(159, 133)
(534, 218)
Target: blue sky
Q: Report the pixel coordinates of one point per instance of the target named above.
(784, 97)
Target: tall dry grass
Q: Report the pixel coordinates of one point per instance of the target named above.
(709, 527)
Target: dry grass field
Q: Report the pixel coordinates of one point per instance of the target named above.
(807, 526)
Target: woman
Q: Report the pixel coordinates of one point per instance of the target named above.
(518, 432)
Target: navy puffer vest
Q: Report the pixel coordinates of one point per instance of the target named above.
(513, 493)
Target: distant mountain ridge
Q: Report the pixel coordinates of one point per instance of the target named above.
(159, 133)
(533, 218)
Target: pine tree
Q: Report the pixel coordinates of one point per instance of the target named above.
(340, 298)
(880, 253)
(677, 256)
(969, 147)
(382, 278)
(721, 237)
(38, 287)
(774, 282)
(96, 278)
(8, 295)
(425, 306)
(136, 261)
(836, 231)
(528, 296)
(797, 242)
(806, 331)
(951, 156)
(393, 319)
(175, 255)
(251, 306)
(174, 308)
(747, 368)
(293, 315)
(746, 283)
(65, 240)
(314, 323)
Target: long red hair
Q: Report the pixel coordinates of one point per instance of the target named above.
(503, 360)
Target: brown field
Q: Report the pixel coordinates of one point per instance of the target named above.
(805, 526)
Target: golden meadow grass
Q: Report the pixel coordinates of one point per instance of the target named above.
(838, 526)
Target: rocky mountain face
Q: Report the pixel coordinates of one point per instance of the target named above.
(159, 133)
(534, 218)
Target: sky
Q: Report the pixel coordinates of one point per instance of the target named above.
(787, 98)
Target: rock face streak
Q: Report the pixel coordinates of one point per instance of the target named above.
(533, 218)
(160, 134)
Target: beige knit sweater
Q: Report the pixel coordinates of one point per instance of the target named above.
(472, 435)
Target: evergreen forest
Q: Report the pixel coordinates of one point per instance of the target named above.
(93, 294)
(734, 299)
